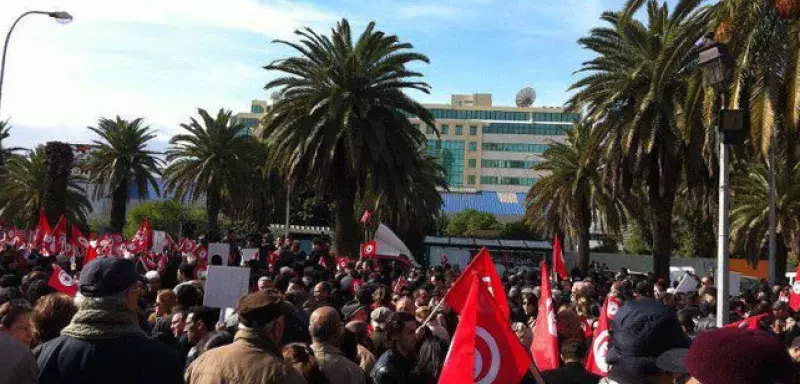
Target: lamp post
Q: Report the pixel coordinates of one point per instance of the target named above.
(717, 64)
(61, 17)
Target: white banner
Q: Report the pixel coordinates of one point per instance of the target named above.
(221, 249)
(159, 241)
(688, 284)
(225, 285)
(249, 254)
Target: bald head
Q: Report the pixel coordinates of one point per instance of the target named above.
(325, 325)
(406, 305)
(358, 328)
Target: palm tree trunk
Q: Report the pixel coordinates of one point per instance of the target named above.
(661, 222)
(781, 254)
(119, 207)
(59, 158)
(345, 229)
(213, 202)
(583, 237)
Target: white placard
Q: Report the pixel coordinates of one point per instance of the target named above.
(249, 254)
(734, 281)
(221, 249)
(688, 284)
(159, 241)
(225, 285)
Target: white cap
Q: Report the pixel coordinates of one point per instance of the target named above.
(152, 275)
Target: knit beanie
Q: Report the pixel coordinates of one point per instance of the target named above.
(739, 356)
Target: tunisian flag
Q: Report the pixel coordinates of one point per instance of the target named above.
(748, 323)
(54, 239)
(143, 239)
(484, 269)
(41, 229)
(369, 250)
(596, 360)
(484, 350)
(558, 259)
(794, 294)
(61, 281)
(545, 337)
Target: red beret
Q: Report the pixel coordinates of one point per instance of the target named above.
(739, 356)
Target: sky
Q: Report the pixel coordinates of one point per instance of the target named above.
(163, 59)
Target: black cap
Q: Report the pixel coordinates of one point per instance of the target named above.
(107, 276)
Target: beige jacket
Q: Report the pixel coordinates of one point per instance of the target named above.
(249, 359)
(336, 366)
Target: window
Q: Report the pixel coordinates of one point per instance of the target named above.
(515, 147)
(472, 163)
(429, 130)
(473, 146)
(473, 130)
(459, 130)
(444, 130)
(526, 129)
(467, 114)
(450, 155)
(513, 164)
(495, 180)
(471, 179)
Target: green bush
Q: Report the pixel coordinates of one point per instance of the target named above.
(165, 216)
(468, 221)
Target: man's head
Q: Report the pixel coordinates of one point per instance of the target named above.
(405, 304)
(421, 297)
(573, 351)
(264, 313)
(200, 322)
(781, 310)
(177, 323)
(707, 281)
(355, 313)
(326, 326)
(401, 333)
(322, 291)
(112, 277)
(264, 283)
(185, 272)
(153, 281)
(794, 350)
(359, 329)
(736, 355)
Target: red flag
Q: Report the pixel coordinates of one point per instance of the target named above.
(749, 323)
(558, 259)
(323, 261)
(545, 347)
(169, 243)
(78, 241)
(483, 265)
(365, 217)
(52, 240)
(143, 239)
(61, 281)
(369, 250)
(91, 254)
(355, 284)
(596, 360)
(341, 263)
(483, 337)
(794, 295)
(40, 230)
(401, 283)
(19, 238)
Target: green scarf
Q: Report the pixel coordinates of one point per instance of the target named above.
(102, 319)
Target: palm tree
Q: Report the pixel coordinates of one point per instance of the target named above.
(22, 193)
(341, 124)
(634, 92)
(212, 159)
(574, 189)
(5, 153)
(119, 160)
(750, 210)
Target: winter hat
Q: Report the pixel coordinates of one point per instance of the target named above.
(739, 356)
(643, 330)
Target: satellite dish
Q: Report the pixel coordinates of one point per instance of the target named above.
(525, 97)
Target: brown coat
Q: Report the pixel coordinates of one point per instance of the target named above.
(336, 366)
(249, 359)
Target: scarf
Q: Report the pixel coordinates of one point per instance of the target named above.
(102, 319)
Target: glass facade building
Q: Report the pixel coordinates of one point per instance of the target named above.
(450, 155)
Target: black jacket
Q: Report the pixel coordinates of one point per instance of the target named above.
(570, 373)
(391, 368)
(67, 360)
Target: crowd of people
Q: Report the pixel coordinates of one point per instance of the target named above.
(311, 319)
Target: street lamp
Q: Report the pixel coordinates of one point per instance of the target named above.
(60, 16)
(717, 65)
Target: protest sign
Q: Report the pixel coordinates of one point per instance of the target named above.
(159, 241)
(735, 281)
(225, 285)
(249, 254)
(221, 249)
(688, 284)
